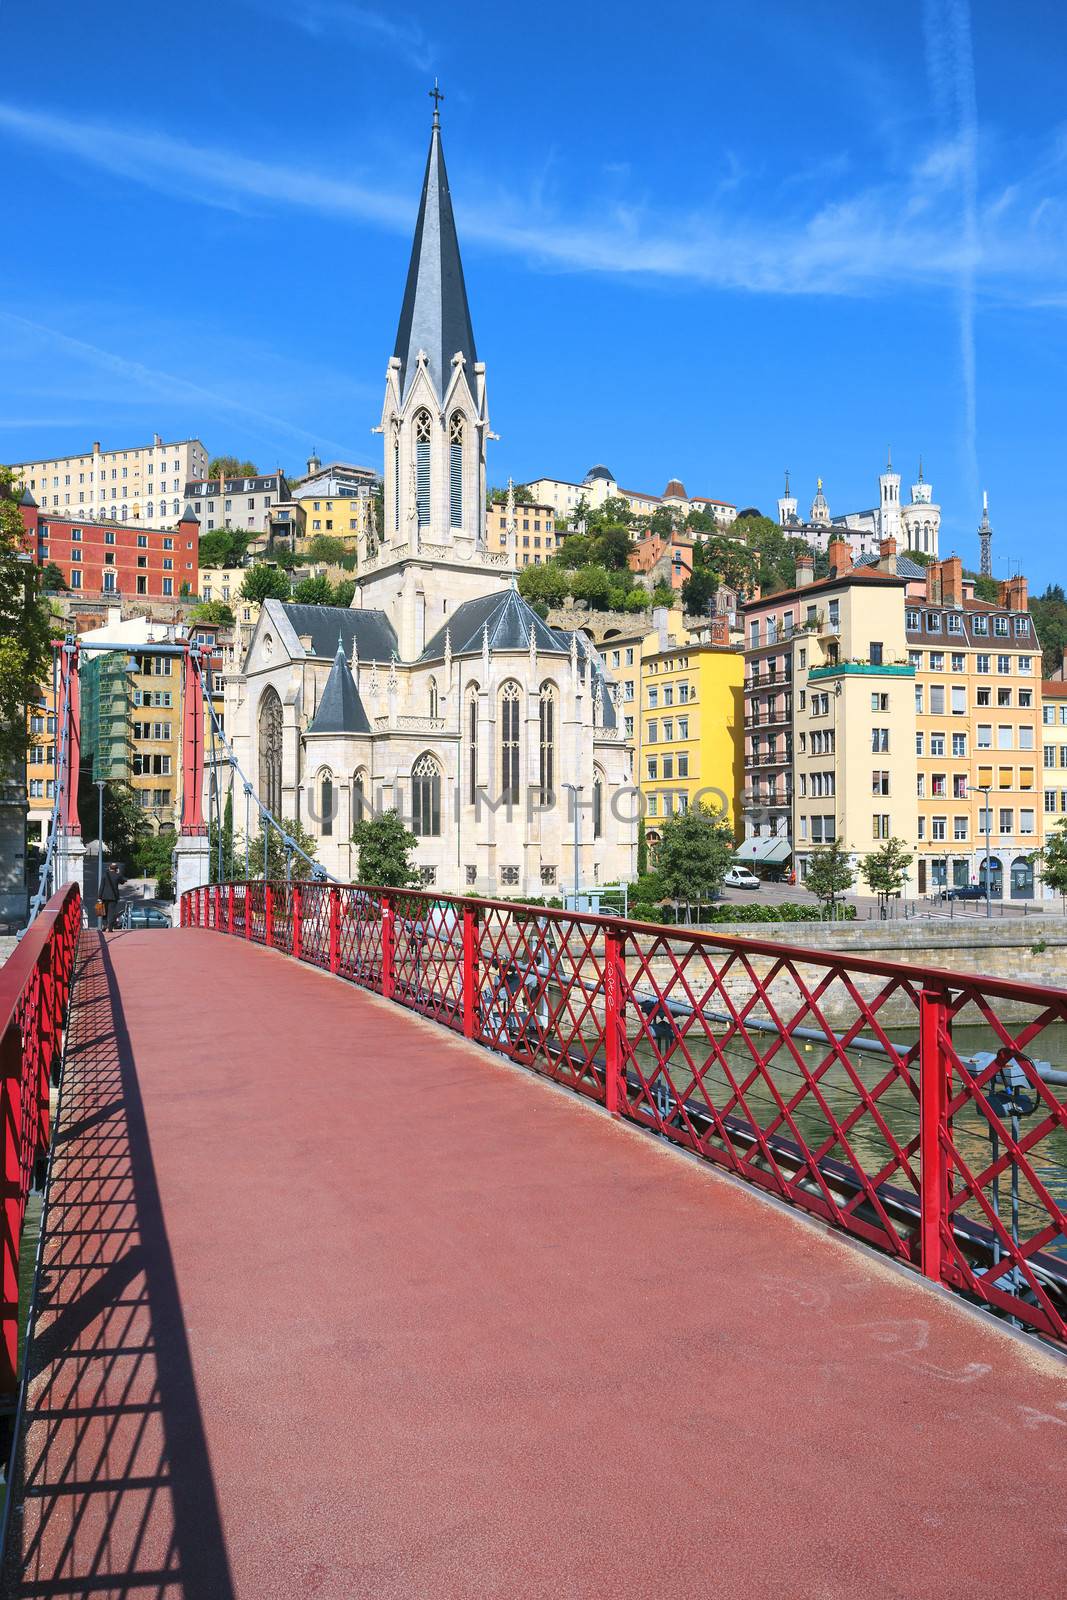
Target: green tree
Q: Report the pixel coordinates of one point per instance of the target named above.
(151, 858)
(231, 467)
(700, 521)
(614, 512)
(575, 551)
(593, 585)
(695, 849)
(663, 595)
(125, 823)
(344, 592)
(1053, 858)
(25, 630)
(276, 854)
(642, 848)
(922, 558)
(265, 583)
(212, 611)
(829, 874)
(885, 870)
(325, 549)
(314, 592)
(549, 584)
(223, 547)
(1049, 611)
(661, 522)
(729, 561)
(612, 548)
(385, 851)
(52, 579)
(698, 591)
(987, 589)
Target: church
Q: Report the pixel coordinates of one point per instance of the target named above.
(439, 693)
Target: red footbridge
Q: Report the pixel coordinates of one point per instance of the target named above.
(390, 1245)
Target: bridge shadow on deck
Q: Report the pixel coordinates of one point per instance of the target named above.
(115, 1494)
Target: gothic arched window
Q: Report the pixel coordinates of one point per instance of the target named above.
(547, 741)
(270, 751)
(472, 748)
(396, 475)
(360, 810)
(426, 798)
(509, 743)
(326, 807)
(422, 467)
(598, 803)
(455, 470)
(434, 701)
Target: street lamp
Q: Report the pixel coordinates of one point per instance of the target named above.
(986, 792)
(576, 789)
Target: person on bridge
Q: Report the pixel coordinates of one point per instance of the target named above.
(109, 894)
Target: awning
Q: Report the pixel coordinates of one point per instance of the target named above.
(771, 850)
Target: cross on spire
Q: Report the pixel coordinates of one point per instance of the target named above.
(436, 96)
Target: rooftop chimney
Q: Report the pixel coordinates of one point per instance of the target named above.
(887, 555)
(720, 630)
(933, 583)
(96, 447)
(1014, 593)
(840, 554)
(952, 581)
(805, 570)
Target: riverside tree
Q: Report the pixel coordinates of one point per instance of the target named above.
(385, 850)
(695, 849)
(885, 870)
(829, 874)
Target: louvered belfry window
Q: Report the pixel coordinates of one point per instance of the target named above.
(455, 469)
(422, 468)
(396, 477)
(509, 744)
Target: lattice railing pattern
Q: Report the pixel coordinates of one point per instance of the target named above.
(923, 1112)
(35, 984)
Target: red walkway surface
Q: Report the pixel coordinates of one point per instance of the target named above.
(338, 1305)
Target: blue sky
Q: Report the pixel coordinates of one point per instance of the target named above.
(706, 241)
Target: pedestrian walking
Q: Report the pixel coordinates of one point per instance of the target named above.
(109, 894)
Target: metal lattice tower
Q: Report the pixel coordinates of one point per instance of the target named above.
(985, 540)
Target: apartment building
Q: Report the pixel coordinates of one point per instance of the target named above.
(692, 729)
(978, 734)
(131, 560)
(600, 484)
(829, 716)
(142, 484)
(41, 764)
(535, 532)
(1053, 752)
(237, 502)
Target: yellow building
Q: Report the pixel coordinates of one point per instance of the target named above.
(155, 733)
(978, 733)
(535, 532)
(692, 730)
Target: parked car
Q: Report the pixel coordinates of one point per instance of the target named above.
(144, 916)
(964, 891)
(740, 878)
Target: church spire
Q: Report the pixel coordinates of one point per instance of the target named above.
(435, 317)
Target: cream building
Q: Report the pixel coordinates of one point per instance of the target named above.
(144, 483)
(600, 484)
(439, 692)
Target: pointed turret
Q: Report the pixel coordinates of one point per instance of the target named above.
(435, 317)
(340, 709)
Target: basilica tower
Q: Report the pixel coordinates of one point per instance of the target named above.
(431, 552)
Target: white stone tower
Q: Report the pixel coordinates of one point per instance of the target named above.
(787, 505)
(820, 511)
(922, 518)
(889, 526)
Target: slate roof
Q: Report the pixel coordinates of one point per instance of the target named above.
(435, 316)
(340, 709)
(26, 498)
(510, 621)
(906, 567)
(372, 630)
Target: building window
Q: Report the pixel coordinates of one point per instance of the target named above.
(270, 751)
(426, 798)
(547, 743)
(433, 699)
(326, 804)
(422, 467)
(598, 803)
(359, 796)
(509, 877)
(509, 743)
(472, 749)
(455, 470)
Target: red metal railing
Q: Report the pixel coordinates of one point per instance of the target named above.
(35, 986)
(907, 1106)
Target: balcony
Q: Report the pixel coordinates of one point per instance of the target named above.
(760, 680)
(772, 758)
(753, 800)
(771, 719)
(861, 669)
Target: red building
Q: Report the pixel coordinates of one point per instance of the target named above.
(123, 559)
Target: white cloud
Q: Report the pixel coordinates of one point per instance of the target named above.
(341, 20)
(903, 231)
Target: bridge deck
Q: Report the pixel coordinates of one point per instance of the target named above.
(337, 1305)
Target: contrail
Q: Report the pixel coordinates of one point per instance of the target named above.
(950, 64)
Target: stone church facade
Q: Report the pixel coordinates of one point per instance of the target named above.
(440, 692)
